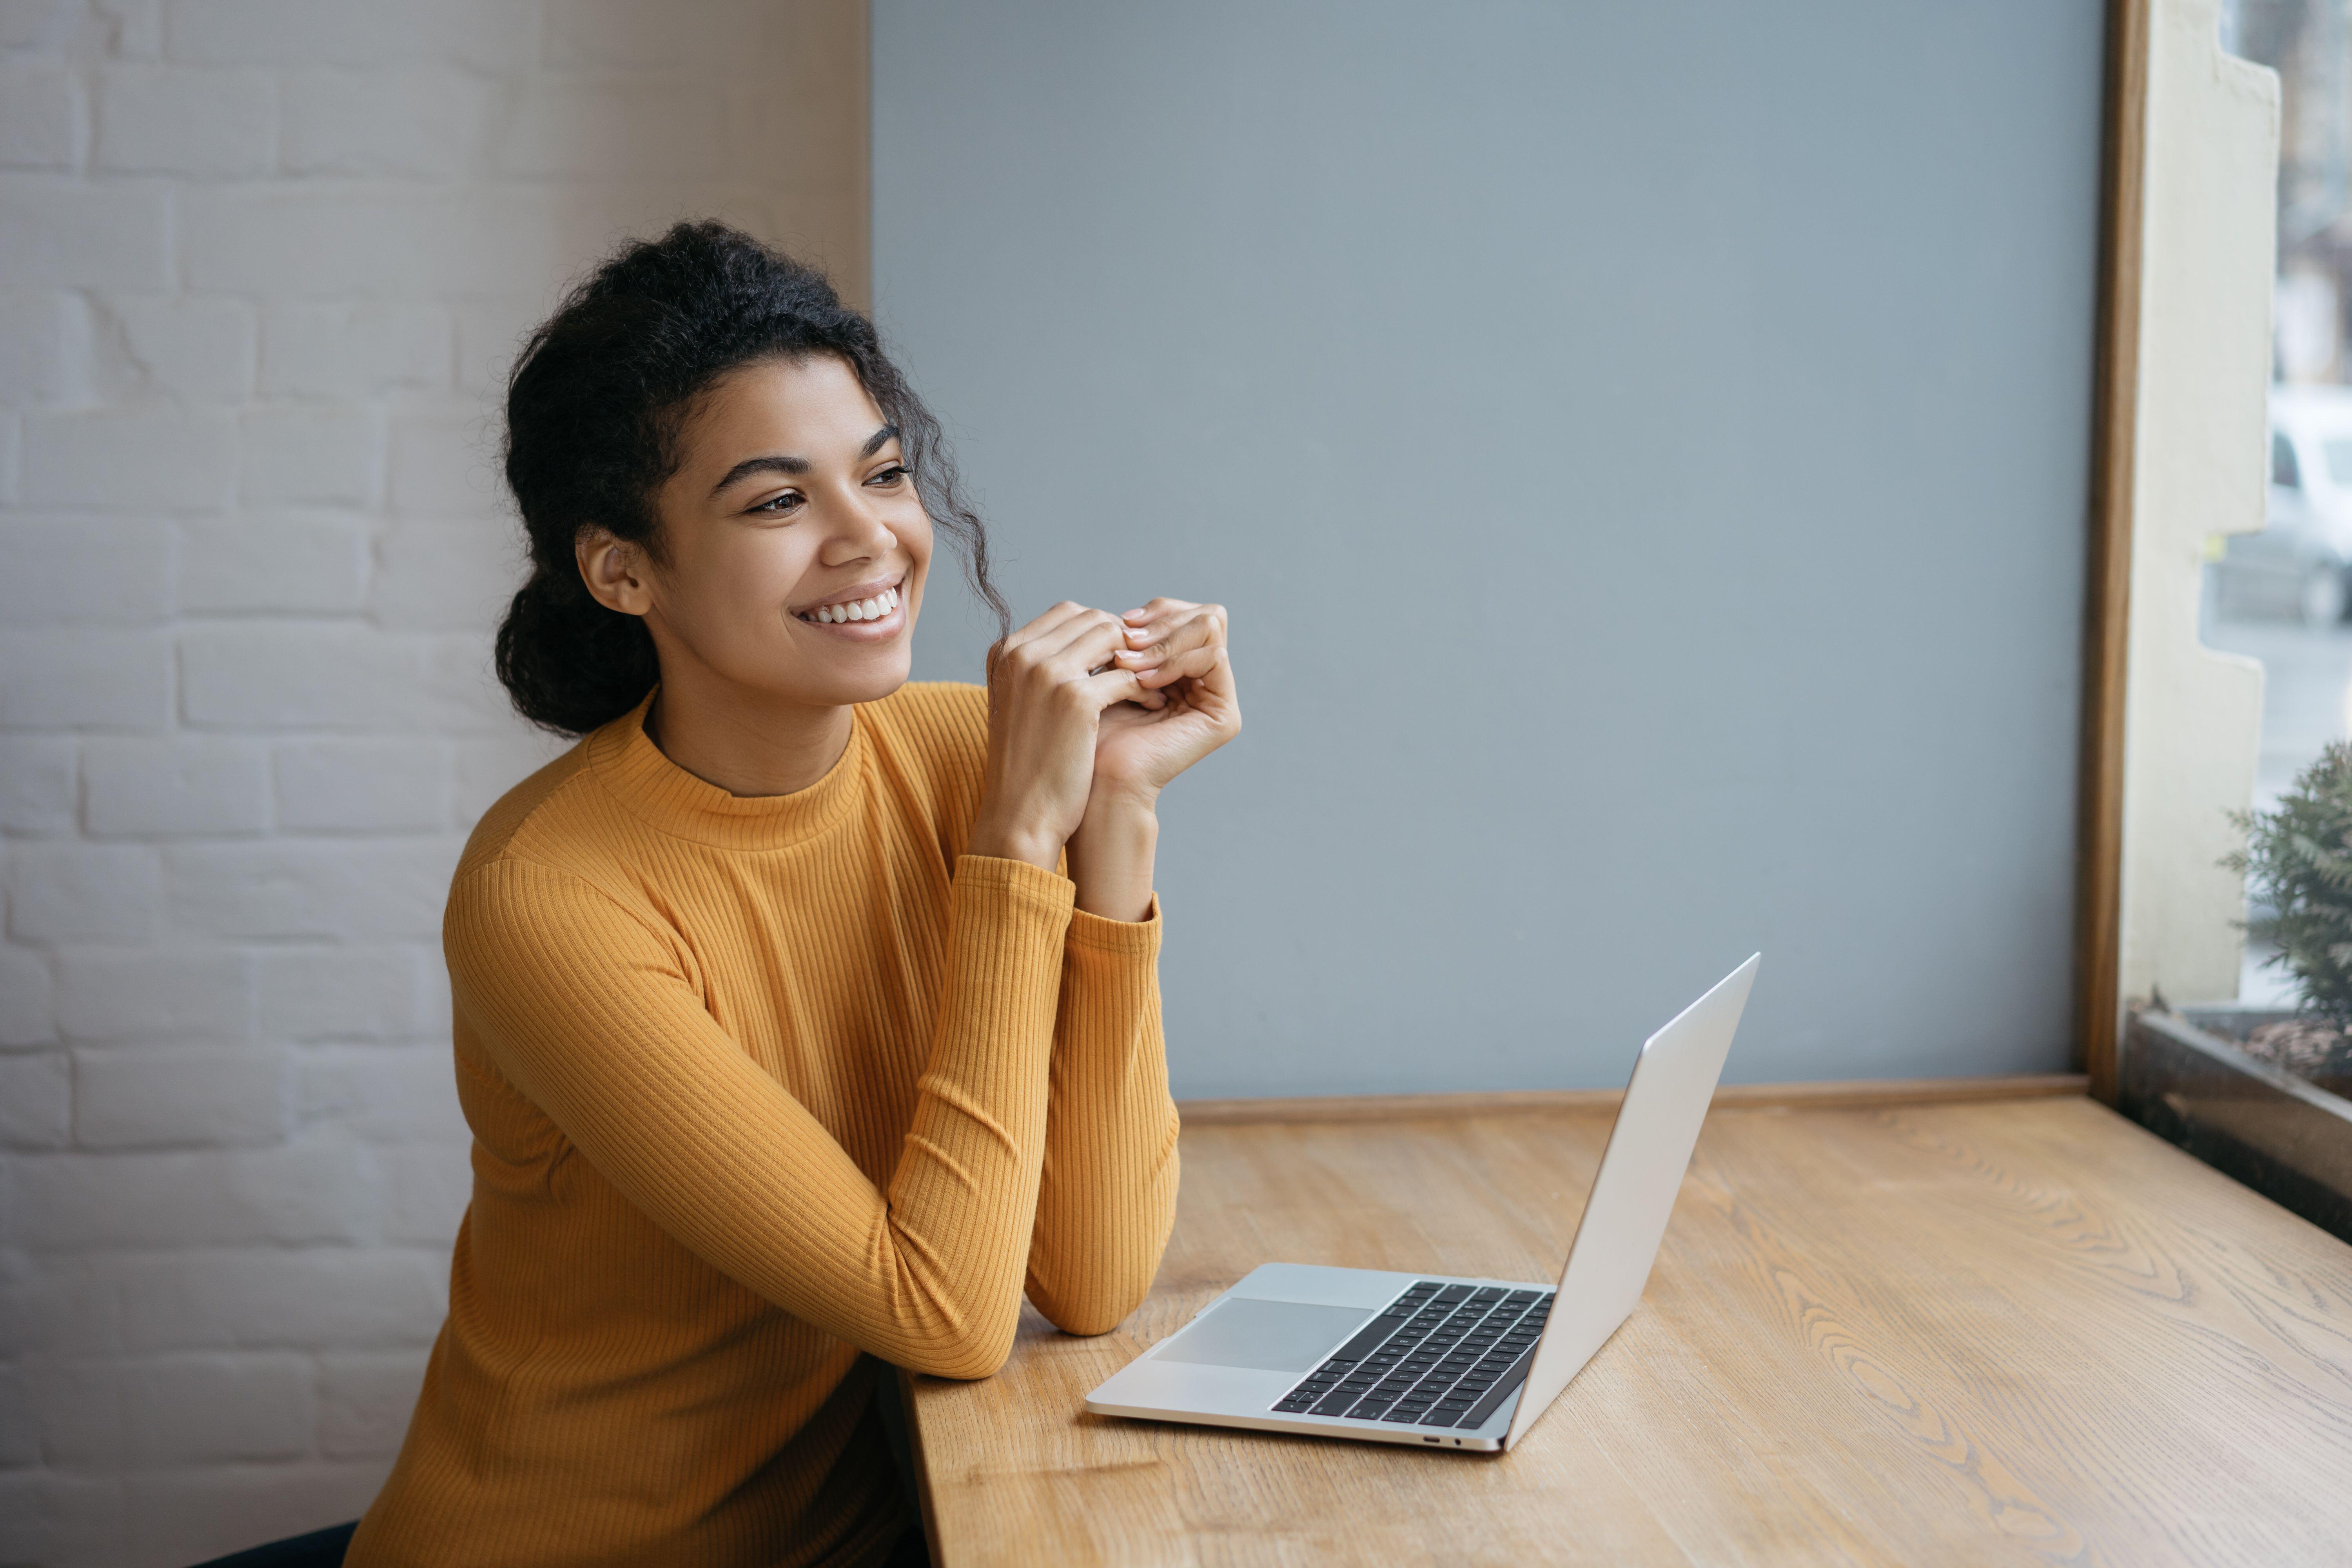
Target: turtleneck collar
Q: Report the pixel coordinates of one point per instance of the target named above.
(629, 763)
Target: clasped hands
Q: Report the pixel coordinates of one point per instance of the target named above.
(1089, 717)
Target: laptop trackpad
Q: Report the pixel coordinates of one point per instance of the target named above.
(1271, 1336)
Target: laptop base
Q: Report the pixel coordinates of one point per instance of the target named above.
(1195, 1385)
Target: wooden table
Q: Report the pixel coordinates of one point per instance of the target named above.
(1893, 1327)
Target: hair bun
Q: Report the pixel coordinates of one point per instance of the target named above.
(569, 663)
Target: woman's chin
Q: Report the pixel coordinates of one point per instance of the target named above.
(854, 674)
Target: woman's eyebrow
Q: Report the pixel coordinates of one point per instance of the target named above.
(776, 464)
(779, 463)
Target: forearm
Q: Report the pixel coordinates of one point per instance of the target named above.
(964, 1193)
(1108, 1192)
(1111, 857)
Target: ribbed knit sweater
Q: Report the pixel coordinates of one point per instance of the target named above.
(756, 1085)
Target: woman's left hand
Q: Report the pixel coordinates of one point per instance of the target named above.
(1177, 652)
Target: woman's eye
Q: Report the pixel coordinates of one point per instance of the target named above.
(889, 476)
(783, 503)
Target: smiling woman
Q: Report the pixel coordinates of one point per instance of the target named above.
(786, 1045)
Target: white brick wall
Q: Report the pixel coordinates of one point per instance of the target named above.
(262, 264)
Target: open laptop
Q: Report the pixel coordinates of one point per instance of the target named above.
(1431, 1359)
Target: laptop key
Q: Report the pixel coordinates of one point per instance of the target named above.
(1367, 1339)
(1492, 1400)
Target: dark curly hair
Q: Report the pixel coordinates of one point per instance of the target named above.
(594, 407)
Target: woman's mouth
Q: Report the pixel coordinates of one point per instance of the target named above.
(866, 611)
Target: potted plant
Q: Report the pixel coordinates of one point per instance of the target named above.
(2266, 1094)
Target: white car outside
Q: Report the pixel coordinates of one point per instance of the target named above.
(2299, 562)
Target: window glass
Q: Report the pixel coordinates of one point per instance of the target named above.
(2280, 596)
(2339, 460)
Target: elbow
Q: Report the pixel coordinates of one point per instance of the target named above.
(1091, 1307)
(964, 1362)
(967, 1350)
(1086, 1324)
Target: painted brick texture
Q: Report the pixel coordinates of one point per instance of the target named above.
(262, 266)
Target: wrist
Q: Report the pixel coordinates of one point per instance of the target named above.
(1111, 855)
(1125, 805)
(1012, 841)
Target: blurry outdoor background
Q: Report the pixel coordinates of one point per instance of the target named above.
(2281, 595)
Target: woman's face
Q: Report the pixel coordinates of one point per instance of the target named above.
(793, 545)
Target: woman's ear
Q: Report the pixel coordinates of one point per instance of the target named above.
(615, 570)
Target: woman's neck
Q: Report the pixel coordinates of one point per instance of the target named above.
(745, 744)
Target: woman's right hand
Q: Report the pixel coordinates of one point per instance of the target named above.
(1043, 708)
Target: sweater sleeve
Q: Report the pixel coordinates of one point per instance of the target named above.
(593, 1013)
(1108, 1196)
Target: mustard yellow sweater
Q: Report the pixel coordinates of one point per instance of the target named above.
(757, 1085)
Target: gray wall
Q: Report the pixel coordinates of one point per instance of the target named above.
(1644, 449)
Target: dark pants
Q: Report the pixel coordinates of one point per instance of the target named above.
(324, 1549)
(319, 1549)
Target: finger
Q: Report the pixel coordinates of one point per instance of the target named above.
(1057, 639)
(1158, 607)
(1212, 690)
(1046, 624)
(1206, 627)
(1149, 647)
(1195, 665)
(1159, 611)
(1113, 687)
(1023, 640)
(1175, 613)
(1219, 680)
(1081, 643)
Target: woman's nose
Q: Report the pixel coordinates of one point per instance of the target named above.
(862, 534)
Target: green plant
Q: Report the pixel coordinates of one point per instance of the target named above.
(2298, 864)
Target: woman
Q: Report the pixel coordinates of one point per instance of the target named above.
(782, 1034)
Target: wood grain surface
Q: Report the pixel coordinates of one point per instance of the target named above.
(2018, 1331)
(1394, 1106)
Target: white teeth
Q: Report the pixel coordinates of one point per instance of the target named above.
(872, 609)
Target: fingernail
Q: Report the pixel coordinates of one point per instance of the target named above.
(1131, 614)
(1138, 632)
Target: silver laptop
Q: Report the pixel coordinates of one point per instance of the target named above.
(1433, 1359)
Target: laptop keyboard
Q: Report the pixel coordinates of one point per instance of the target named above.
(1439, 1355)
